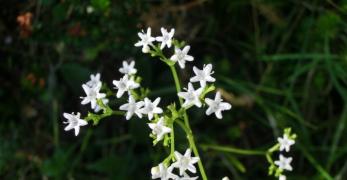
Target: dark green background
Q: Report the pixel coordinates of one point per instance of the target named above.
(282, 63)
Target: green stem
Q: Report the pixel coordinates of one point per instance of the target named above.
(233, 150)
(186, 122)
(172, 141)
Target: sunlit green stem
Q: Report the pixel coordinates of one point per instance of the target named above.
(186, 124)
(233, 150)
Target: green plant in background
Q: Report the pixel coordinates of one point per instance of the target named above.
(279, 63)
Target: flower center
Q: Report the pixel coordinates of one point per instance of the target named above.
(92, 94)
(166, 38)
(157, 130)
(122, 85)
(73, 122)
(180, 55)
(150, 107)
(184, 161)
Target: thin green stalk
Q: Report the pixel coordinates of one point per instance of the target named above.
(233, 150)
(315, 164)
(172, 141)
(186, 121)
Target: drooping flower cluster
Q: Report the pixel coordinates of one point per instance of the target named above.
(283, 163)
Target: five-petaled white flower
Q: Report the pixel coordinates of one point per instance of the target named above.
(166, 38)
(132, 108)
(162, 172)
(146, 40)
(97, 107)
(92, 94)
(150, 108)
(285, 143)
(94, 80)
(181, 56)
(128, 68)
(282, 177)
(124, 84)
(186, 177)
(159, 129)
(203, 75)
(284, 163)
(216, 106)
(74, 122)
(185, 162)
(191, 97)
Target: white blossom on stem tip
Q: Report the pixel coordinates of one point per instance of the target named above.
(225, 178)
(166, 38)
(132, 108)
(285, 143)
(94, 80)
(146, 40)
(159, 129)
(192, 96)
(181, 56)
(150, 108)
(128, 68)
(284, 163)
(216, 106)
(203, 75)
(93, 95)
(74, 122)
(185, 162)
(162, 172)
(124, 84)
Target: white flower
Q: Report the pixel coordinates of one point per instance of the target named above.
(186, 177)
(226, 178)
(150, 108)
(97, 107)
(74, 122)
(128, 68)
(94, 80)
(166, 38)
(284, 163)
(203, 75)
(92, 94)
(285, 143)
(185, 162)
(192, 96)
(132, 108)
(282, 177)
(162, 172)
(124, 84)
(216, 106)
(159, 129)
(181, 56)
(146, 39)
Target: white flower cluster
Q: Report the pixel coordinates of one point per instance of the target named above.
(191, 97)
(203, 76)
(284, 162)
(183, 163)
(92, 90)
(160, 123)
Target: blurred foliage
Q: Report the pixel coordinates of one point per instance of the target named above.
(281, 63)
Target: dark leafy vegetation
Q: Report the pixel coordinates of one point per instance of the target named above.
(279, 63)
